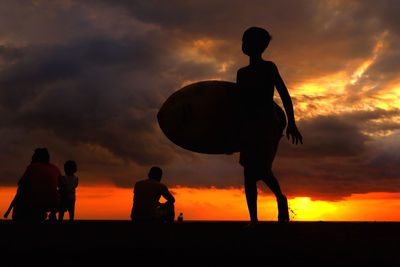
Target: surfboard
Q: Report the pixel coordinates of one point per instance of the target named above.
(204, 117)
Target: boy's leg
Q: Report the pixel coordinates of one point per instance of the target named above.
(71, 210)
(273, 184)
(250, 188)
(270, 180)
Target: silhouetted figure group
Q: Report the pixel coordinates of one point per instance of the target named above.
(43, 192)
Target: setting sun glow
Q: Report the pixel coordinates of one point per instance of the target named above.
(112, 203)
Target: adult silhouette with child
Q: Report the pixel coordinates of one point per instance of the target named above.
(37, 192)
(147, 193)
(260, 133)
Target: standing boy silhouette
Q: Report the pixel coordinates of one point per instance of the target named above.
(260, 133)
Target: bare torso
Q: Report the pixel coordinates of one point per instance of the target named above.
(256, 85)
(259, 123)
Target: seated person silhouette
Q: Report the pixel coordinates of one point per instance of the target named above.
(260, 132)
(146, 206)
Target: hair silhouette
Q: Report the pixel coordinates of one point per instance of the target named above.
(155, 173)
(41, 155)
(70, 167)
(255, 41)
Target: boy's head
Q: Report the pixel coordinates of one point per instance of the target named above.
(155, 173)
(41, 155)
(70, 167)
(255, 40)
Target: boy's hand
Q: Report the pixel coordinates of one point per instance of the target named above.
(292, 131)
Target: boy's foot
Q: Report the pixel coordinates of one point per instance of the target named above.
(251, 225)
(283, 210)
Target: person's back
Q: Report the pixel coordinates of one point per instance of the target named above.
(41, 181)
(147, 194)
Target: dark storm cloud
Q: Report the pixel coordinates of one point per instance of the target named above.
(308, 36)
(328, 136)
(83, 93)
(9, 54)
(89, 83)
(100, 91)
(339, 159)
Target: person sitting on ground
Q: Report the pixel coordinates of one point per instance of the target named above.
(68, 195)
(39, 189)
(146, 206)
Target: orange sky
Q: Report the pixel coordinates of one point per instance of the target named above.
(112, 203)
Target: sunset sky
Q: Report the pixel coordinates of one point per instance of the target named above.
(86, 78)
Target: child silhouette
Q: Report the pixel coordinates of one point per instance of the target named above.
(68, 191)
(260, 133)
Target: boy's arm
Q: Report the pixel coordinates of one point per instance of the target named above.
(291, 130)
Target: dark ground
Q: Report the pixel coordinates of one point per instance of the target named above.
(122, 243)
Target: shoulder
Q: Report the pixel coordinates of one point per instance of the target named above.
(271, 67)
(141, 182)
(270, 64)
(157, 184)
(31, 166)
(163, 187)
(51, 165)
(54, 168)
(243, 69)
